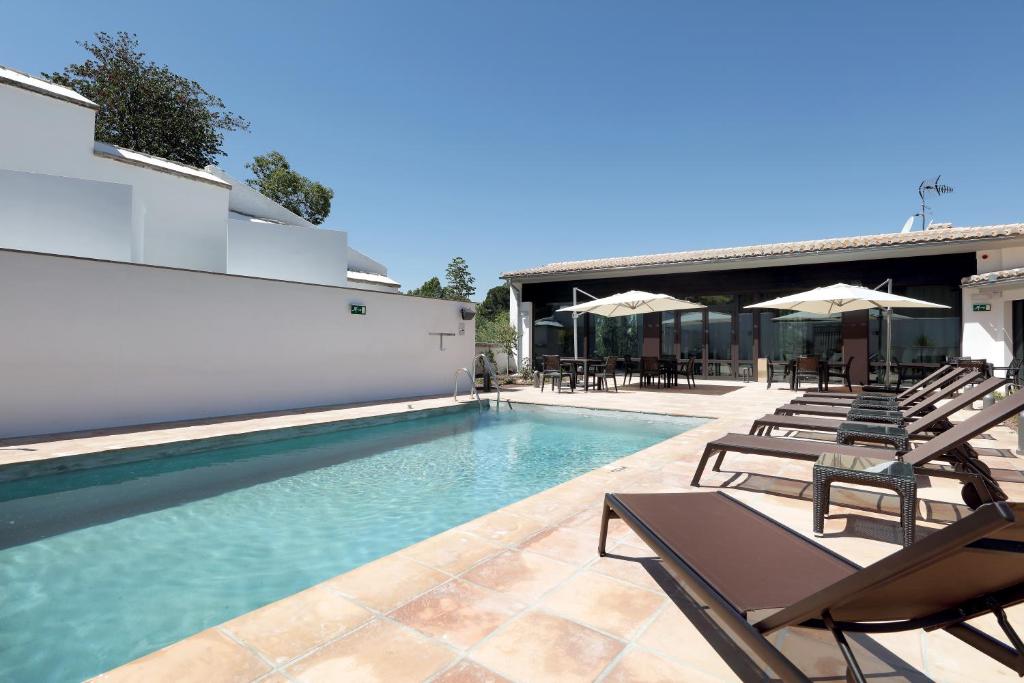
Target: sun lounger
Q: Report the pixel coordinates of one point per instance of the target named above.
(920, 395)
(757, 577)
(935, 421)
(964, 379)
(951, 446)
(916, 386)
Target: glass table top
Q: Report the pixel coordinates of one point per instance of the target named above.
(873, 429)
(874, 415)
(860, 463)
(872, 399)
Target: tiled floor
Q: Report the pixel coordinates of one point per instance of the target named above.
(520, 594)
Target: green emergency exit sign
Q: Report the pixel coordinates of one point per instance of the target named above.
(981, 307)
(357, 309)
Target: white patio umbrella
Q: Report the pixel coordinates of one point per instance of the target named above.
(800, 317)
(842, 298)
(632, 302)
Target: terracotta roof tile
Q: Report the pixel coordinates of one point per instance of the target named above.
(1009, 230)
(994, 276)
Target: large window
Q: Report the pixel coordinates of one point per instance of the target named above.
(619, 337)
(552, 332)
(786, 335)
(920, 335)
(668, 334)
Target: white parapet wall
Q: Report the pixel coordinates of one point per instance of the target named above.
(287, 252)
(90, 344)
(988, 331)
(59, 215)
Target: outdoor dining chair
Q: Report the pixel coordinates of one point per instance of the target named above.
(842, 373)
(650, 369)
(778, 370)
(627, 370)
(601, 374)
(687, 367)
(554, 370)
(807, 367)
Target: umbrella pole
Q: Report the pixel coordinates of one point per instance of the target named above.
(575, 334)
(888, 347)
(575, 337)
(888, 339)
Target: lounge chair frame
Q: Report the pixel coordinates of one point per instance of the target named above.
(813, 611)
(935, 421)
(952, 446)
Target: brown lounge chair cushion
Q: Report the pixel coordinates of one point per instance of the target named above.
(752, 561)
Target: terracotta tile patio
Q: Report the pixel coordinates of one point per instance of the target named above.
(520, 594)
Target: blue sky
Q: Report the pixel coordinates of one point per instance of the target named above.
(519, 133)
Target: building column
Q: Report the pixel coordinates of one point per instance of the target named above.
(987, 326)
(520, 315)
(856, 343)
(652, 335)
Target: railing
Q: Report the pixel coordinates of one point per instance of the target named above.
(489, 370)
(472, 385)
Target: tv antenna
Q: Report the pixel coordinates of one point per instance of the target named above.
(927, 186)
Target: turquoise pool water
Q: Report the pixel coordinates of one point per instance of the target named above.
(100, 566)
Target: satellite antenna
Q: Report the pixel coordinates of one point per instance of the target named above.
(909, 225)
(930, 186)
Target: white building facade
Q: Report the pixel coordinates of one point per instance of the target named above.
(977, 271)
(138, 290)
(62, 192)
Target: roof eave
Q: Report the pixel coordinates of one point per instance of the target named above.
(755, 261)
(88, 104)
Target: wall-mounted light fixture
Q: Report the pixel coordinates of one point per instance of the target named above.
(468, 314)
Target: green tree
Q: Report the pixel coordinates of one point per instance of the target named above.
(497, 330)
(147, 107)
(496, 301)
(459, 282)
(431, 288)
(292, 190)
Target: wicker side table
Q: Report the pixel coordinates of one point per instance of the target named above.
(873, 432)
(893, 417)
(876, 403)
(893, 475)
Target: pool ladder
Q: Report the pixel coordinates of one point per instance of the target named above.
(472, 384)
(488, 369)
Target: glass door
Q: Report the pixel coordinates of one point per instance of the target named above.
(691, 338)
(745, 341)
(721, 357)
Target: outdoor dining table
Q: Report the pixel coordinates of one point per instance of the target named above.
(581, 363)
(670, 366)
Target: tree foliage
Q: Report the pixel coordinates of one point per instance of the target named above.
(497, 300)
(497, 329)
(459, 282)
(147, 107)
(275, 178)
(431, 288)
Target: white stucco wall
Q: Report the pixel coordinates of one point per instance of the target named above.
(182, 222)
(520, 313)
(94, 219)
(41, 134)
(359, 261)
(178, 222)
(97, 344)
(987, 334)
(287, 252)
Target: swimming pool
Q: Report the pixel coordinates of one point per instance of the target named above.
(100, 566)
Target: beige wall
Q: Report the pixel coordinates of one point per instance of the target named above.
(94, 344)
